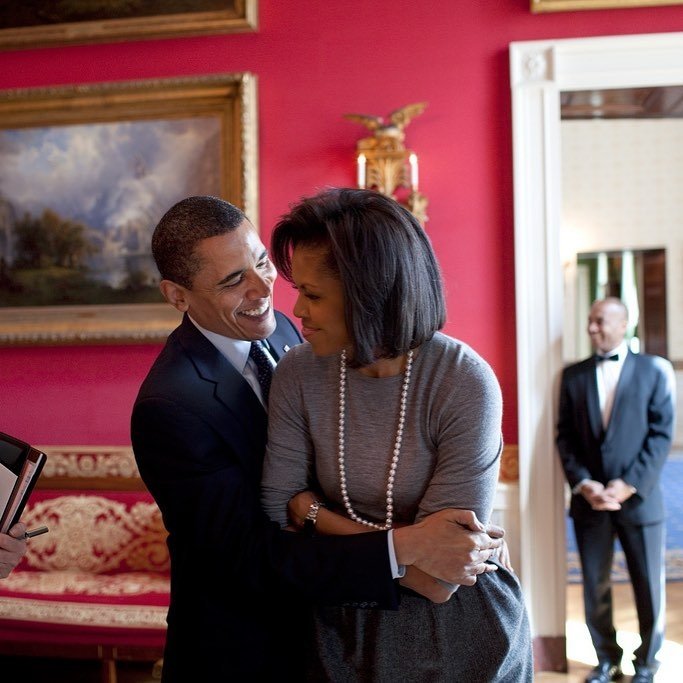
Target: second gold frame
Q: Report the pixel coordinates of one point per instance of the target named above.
(538, 6)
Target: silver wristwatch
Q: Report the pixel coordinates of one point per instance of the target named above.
(312, 517)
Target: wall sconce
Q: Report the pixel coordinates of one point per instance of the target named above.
(383, 162)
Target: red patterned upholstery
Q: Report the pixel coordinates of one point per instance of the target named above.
(99, 579)
(96, 531)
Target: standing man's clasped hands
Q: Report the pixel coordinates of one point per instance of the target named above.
(606, 498)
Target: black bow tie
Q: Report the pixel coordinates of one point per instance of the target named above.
(599, 358)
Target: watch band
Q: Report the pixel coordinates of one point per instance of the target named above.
(311, 518)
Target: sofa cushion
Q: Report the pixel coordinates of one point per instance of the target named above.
(93, 531)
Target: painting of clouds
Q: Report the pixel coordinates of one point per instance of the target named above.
(78, 205)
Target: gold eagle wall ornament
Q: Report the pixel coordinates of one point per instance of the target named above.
(389, 129)
(384, 163)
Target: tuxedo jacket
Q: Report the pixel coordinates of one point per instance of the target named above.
(239, 585)
(636, 442)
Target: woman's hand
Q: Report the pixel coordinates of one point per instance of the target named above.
(502, 556)
(427, 586)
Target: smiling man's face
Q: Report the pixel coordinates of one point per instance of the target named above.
(232, 293)
(607, 323)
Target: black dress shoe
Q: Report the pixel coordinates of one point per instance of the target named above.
(605, 672)
(643, 675)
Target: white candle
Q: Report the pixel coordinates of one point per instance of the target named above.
(413, 172)
(361, 171)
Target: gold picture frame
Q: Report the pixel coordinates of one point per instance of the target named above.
(538, 6)
(148, 168)
(121, 25)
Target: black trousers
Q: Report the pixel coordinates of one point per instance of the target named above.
(644, 551)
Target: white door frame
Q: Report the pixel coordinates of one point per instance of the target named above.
(540, 71)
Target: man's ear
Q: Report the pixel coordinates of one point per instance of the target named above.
(176, 295)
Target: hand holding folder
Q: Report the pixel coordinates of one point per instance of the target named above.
(20, 467)
(12, 549)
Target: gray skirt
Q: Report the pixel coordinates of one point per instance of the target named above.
(480, 635)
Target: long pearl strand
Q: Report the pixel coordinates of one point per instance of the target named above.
(397, 445)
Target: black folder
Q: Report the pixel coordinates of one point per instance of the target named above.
(20, 467)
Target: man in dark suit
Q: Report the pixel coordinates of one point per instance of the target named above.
(239, 585)
(615, 427)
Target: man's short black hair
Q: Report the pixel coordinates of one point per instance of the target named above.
(182, 227)
(393, 293)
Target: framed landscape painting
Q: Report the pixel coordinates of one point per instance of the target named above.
(86, 172)
(566, 5)
(36, 23)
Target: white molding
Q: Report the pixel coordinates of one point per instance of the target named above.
(539, 72)
(506, 514)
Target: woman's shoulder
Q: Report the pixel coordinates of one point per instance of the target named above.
(294, 355)
(299, 360)
(443, 347)
(449, 357)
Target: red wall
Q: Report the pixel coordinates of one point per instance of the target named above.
(315, 62)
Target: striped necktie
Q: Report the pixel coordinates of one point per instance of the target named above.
(264, 368)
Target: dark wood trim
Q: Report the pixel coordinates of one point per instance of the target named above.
(127, 653)
(550, 653)
(107, 655)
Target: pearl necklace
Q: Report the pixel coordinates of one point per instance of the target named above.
(397, 445)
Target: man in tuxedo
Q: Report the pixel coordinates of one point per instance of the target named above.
(240, 585)
(615, 426)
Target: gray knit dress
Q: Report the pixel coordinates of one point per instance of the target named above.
(449, 458)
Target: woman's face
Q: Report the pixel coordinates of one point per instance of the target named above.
(320, 303)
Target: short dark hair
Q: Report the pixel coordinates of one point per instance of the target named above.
(182, 227)
(393, 293)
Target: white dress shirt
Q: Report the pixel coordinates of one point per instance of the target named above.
(607, 376)
(236, 352)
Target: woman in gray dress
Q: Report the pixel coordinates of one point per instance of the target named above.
(379, 421)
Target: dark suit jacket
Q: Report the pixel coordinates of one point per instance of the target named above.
(238, 583)
(637, 440)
